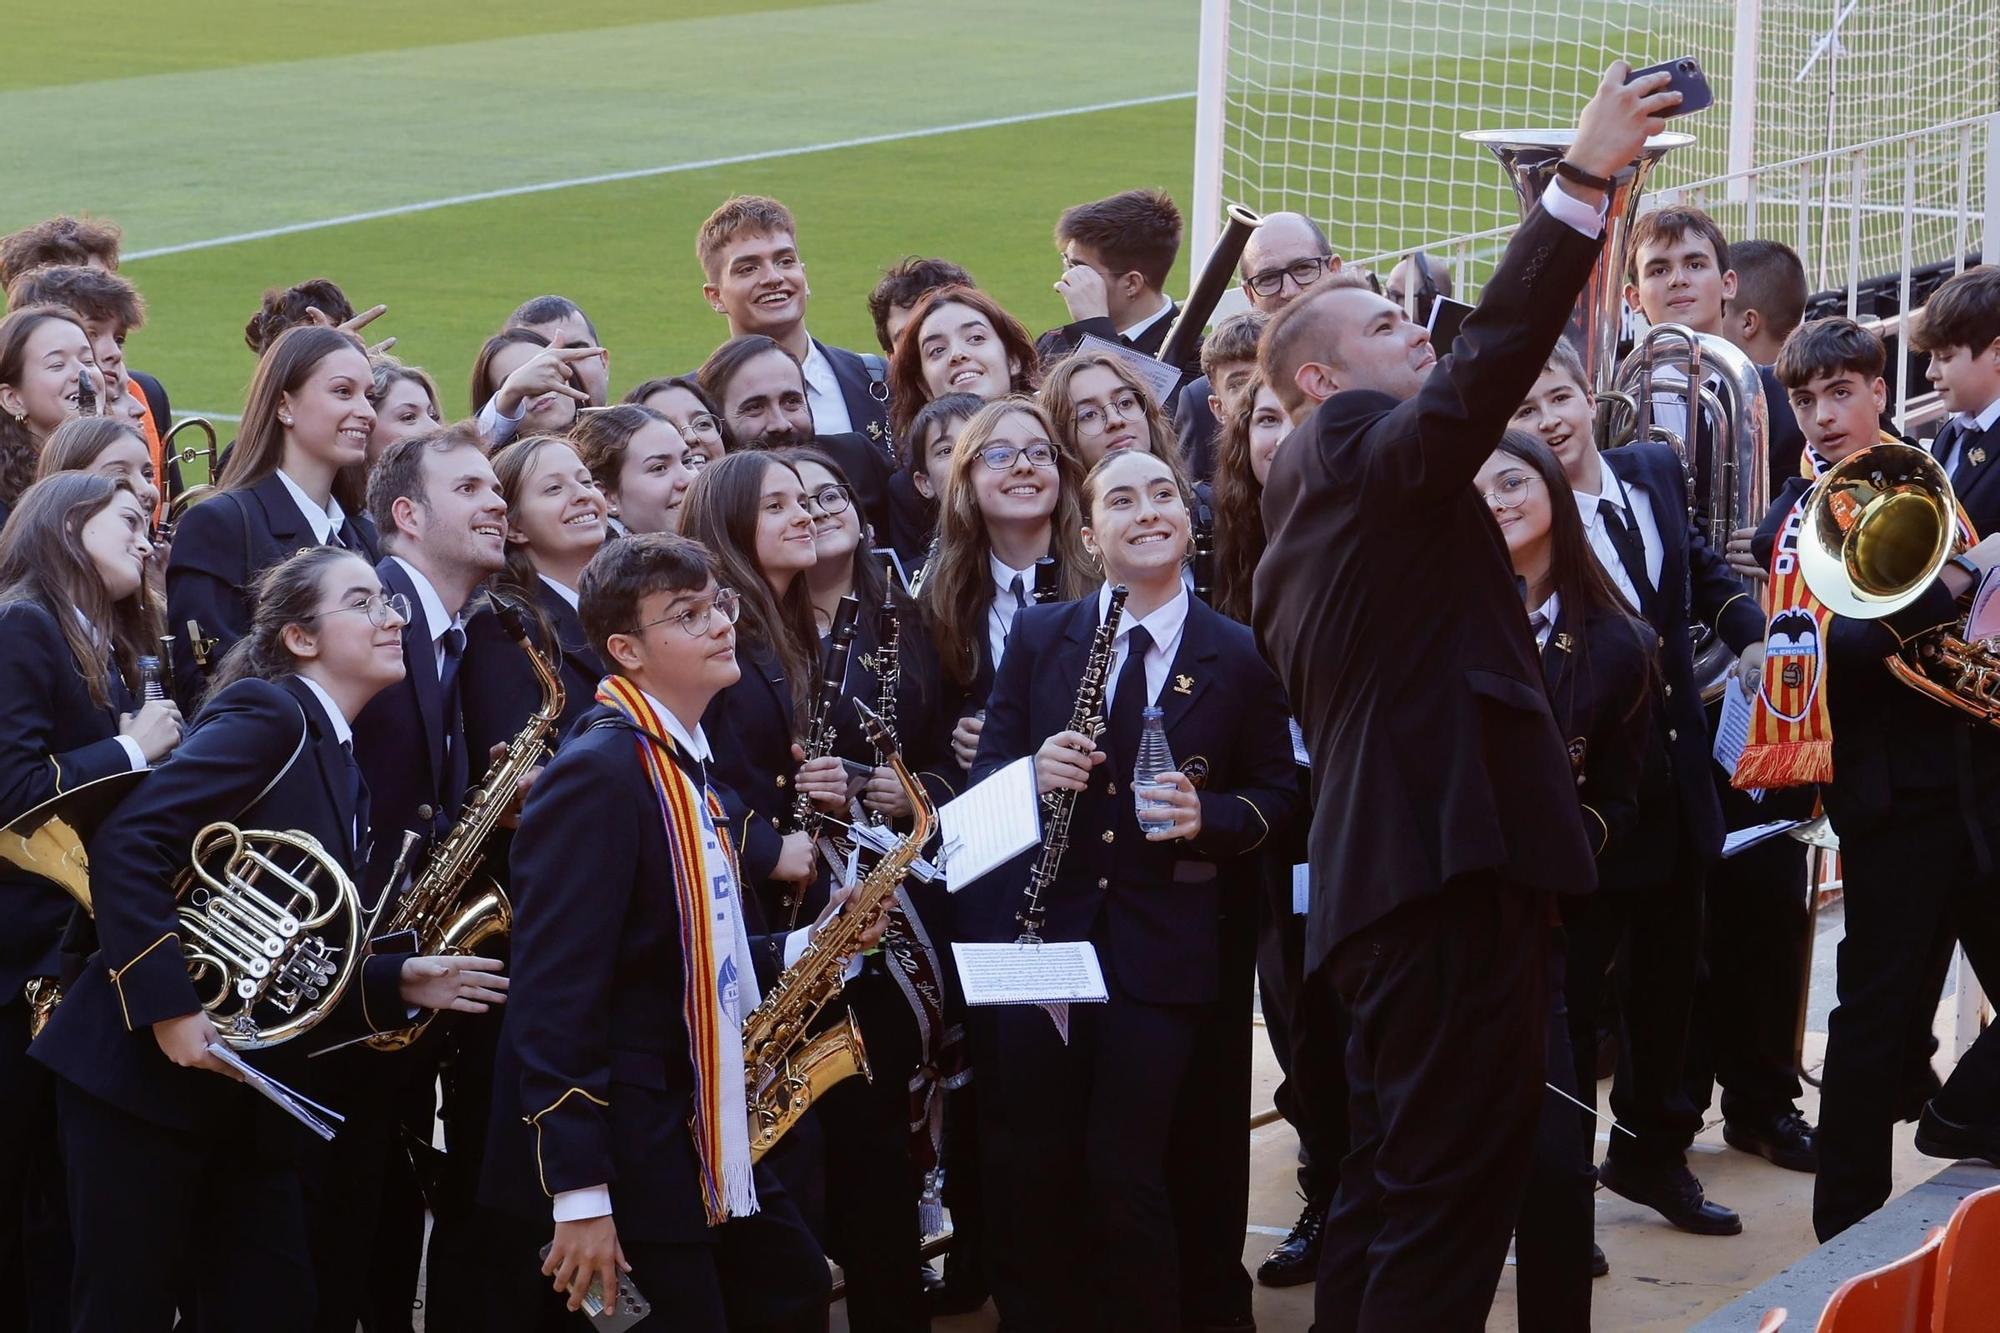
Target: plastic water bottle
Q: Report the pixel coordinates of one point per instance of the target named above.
(152, 679)
(1154, 758)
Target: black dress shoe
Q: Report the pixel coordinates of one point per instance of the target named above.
(1295, 1261)
(1782, 1138)
(1939, 1137)
(1918, 1089)
(1599, 1265)
(932, 1280)
(1673, 1193)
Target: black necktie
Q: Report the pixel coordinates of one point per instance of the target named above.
(348, 535)
(1631, 551)
(357, 791)
(453, 641)
(1129, 699)
(1537, 622)
(1020, 600)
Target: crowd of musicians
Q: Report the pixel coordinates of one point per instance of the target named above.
(1441, 785)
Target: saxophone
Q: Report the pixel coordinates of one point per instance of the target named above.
(1058, 804)
(448, 911)
(785, 1070)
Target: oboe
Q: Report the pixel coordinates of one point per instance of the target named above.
(820, 733)
(1057, 805)
(888, 675)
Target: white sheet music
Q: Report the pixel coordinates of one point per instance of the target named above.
(1732, 732)
(991, 824)
(1984, 622)
(1743, 839)
(294, 1104)
(1157, 376)
(1042, 973)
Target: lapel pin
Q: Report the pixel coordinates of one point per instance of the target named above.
(1976, 455)
(1183, 684)
(1563, 642)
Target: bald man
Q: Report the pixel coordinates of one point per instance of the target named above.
(1286, 255)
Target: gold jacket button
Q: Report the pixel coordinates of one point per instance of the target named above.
(1109, 835)
(1670, 690)
(781, 779)
(1111, 788)
(1673, 735)
(425, 813)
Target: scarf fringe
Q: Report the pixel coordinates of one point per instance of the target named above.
(1784, 764)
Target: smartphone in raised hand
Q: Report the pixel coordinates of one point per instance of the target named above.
(1687, 80)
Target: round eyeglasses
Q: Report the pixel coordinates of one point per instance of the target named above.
(695, 621)
(384, 610)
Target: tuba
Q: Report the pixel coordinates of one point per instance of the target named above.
(1878, 528)
(270, 923)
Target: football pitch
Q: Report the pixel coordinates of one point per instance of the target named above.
(452, 159)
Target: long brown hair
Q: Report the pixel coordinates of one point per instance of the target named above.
(1059, 402)
(958, 590)
(42, 561)
(871, 583)
(1239, 510)
(720, 512)
(260, 445)
(520, 580)
(75, 445)
(18, 450)
(907, 390)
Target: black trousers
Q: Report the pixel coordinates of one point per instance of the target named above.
(1449, 1000)
(452, 1297)
(1312, 1096)
(1903, 883)
(35, 1257)
(160, 1214)
(1552, 1238)
(1077, 1140)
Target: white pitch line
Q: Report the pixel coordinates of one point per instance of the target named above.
(641, 173)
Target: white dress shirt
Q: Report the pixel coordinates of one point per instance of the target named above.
(1000, 616)
(564, 591)
(1567, 209)
(829, 409)
(1548, 611)
(437, 620)
(325, 522)
(1131, 332)
(135, 757)
(497, 426)
(1637, 509)
(1970, 425)
(343, 731)
(1165, 624)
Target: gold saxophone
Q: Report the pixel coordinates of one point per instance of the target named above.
(449, 911)
(785, 1069)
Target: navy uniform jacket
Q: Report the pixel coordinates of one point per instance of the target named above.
(498, 688)
(750, 725)
(1152, 908)
(1059, 342)
(1200, 434)
(593, 1085)
(220, 547)
(1697, 590)
(1599, 676)
(53, 739)
(1387, 603)
(415, 778)
(261, 755)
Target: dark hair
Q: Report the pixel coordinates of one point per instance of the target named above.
(284, 595)
(389, 372)
(511, 467)
(484, 383)
(939, 413)
(601, 437)
(739, 214)
(626, 572)
(907, 282)
(1132, 231)
(1057, 400)
(548, 310)
(285, 308)
(1563, 357)
(1665, 226)
(727, 361)
(42, 561)
(1239, 510)
(871, 584)
(1771, 281)
(1828, 347)
(640, 392)
(1087, 495)
(399, 473)
(1301, 332)
(720, 512)
(260, 441)
(91, 292)
(1232, 341)
(907, 390)
(18, 450)
(75, 445)
(59, 240)
(1964, 312)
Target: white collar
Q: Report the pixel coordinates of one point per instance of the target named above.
(342, 731)
(1550, 609)
(1164, 624)
(436, 618)
(1004, 575)
(1134, 330)
(1984, 421)
(325, 522)
(564, 591)
(694, 744)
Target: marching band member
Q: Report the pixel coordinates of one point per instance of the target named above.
(680, 399)
(294, 478)
(1076, 1134)
(529, 382)
(106, 446)
(1010, 501)
(958, 340)
(641, 463)
(74, 622)
(1100, 405)
(405, 399)
(44, 357)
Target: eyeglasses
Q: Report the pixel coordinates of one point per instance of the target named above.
(1001, 457)
(384, 610)
(695, 621)
(1512, 492)
(829, 500)
(1090, 420)
(703, 423)
(1303, 272)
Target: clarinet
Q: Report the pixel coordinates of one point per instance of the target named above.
(888, 675)
(1057, 805)
(1202, 566)
(1046, 571)
(806, 817)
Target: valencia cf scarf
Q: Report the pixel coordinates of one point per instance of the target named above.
(717, 976)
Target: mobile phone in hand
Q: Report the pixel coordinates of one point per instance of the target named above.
(1687, 80)
(631, 1308)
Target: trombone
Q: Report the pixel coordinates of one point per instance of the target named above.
(181, 494)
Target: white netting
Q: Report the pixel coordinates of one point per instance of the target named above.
(1350, 111)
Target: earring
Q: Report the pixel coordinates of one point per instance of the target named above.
(284, 420)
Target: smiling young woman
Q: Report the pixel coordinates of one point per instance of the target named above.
(641, 462)
(1099, 407)
(959, 340)
(44, 355)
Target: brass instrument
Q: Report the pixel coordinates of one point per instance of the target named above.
(930, 563)
(450, 907)
(181, 497)
(784, 1069)
(1058, 805)
(270, 923)
(1878, 527)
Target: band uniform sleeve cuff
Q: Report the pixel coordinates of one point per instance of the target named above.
(1571, 211)
(132, 752)
(582, 1205)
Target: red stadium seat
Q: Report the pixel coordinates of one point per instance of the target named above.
(1968, 1266)
(1895, 1298)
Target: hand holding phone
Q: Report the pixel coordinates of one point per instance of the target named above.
(1687, 79)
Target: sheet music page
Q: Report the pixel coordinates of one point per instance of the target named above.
(1743, 839)
(1984, 622)
(1029, 973)
(991, 824)
(294, 1104)
(1157, 375)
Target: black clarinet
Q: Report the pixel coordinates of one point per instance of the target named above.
(807, 817)
(888, 677)
(86, 393)
(1202, 565)
(1047, 572)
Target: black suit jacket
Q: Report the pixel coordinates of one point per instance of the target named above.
(498, 688)
(864, 388)
(593, 1084)
(53, 739)
(416, 779)
(1406, 651)
(261, 755)
(220, 546)
(1599, 675)
(1786, 442)
(751, 727)
(1200, 434)
(1975, 478)
(1153, 909)
(1697, 590)
(1059, 342)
